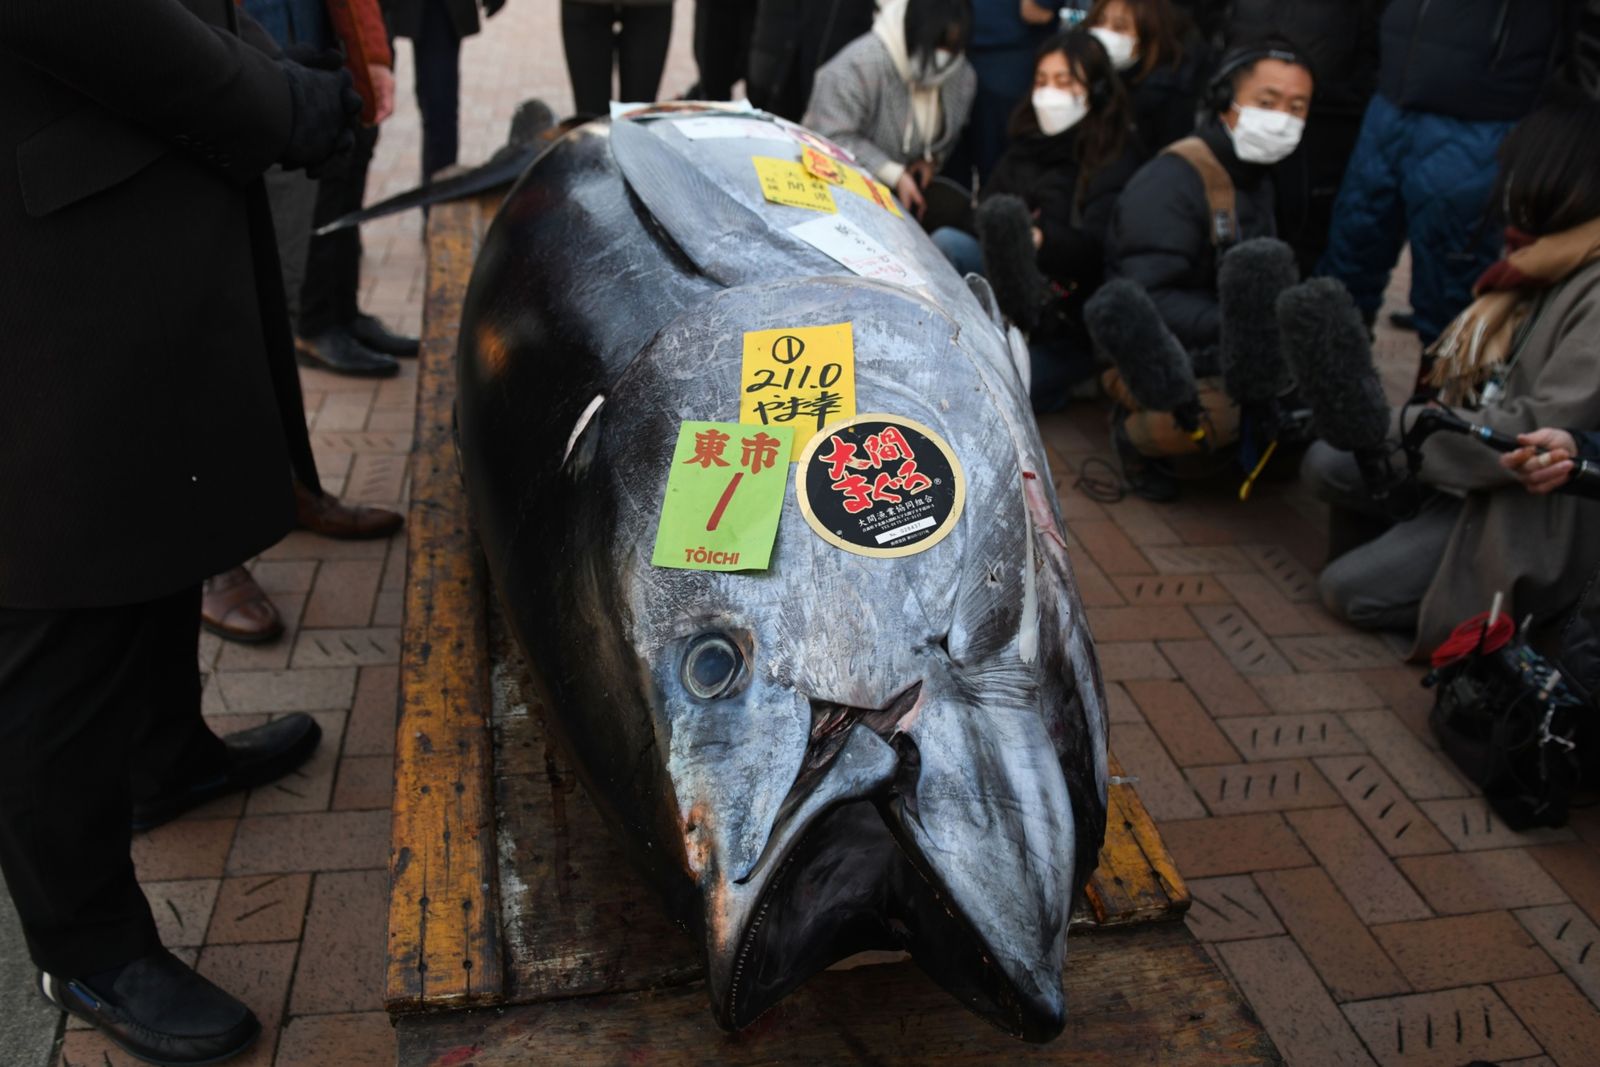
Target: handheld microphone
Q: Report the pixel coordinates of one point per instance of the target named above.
(1325, 341)
(1005, 230)
(1252, 276)
(1584, 481)
(1124, 324)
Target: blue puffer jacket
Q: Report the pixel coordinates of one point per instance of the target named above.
(1482, 60)
(1425, 178)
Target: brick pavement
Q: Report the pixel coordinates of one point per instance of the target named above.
(1358, 892)
(1347, 880)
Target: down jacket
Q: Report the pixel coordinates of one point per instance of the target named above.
(1481, 60)
(1160, 237)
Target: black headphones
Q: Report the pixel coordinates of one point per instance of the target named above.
(1219, 91)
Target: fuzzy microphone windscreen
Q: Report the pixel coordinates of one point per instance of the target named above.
(1005, 230)
(1126, 326)
(1330, 355)
(1252, 276)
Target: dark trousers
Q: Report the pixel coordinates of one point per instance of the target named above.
(722, 30)
(1307, 184)
(437, 52)
(333, 263)
(1428, 181)
(599, 36)
(97, 706)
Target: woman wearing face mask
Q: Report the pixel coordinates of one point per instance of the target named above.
(1524, 354)
(1071, 150)
(1146, 42)
(898, 97)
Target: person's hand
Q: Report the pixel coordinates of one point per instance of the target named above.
(326, 109)
(1544, 462)
(383, 85)
(910, 193)
(922, 171)
(1036, 14)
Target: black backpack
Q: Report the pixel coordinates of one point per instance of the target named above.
(1519, 725)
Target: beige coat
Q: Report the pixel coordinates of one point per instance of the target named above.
(1536, 549)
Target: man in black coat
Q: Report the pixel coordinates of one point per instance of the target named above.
(1162, 235)
(141, 450)
(1168, 234)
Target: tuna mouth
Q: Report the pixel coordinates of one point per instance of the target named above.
(846, 878)
(847, 886)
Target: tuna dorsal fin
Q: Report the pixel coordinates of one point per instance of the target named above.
(727, 241)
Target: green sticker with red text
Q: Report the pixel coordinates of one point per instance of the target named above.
(724, 497)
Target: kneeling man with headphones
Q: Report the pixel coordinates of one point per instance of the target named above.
(1175, 221)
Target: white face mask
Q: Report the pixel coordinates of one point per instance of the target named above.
(1123, 48)
(1264, 136)
(937, 69)
(1057, 109)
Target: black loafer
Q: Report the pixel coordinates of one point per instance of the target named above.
(161, 1012)
(371, 331)
(337, 351)
(255, 757)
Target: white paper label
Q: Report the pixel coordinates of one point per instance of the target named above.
(842, 240)
(716, 127)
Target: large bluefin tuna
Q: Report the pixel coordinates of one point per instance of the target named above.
(843, 752)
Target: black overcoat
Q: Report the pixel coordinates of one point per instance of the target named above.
(141, 447)
(405, 16)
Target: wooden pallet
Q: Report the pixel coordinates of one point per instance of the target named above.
(508, 893)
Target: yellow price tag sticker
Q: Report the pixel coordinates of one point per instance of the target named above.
(826, 168)
(871, 189)
(785, 181)
(802, 377)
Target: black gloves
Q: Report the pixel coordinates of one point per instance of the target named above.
(326, 110)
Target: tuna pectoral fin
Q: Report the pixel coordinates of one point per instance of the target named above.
(727, 241)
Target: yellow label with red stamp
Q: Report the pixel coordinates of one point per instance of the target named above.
(787, 182)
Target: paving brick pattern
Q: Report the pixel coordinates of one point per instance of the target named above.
(1357, 891)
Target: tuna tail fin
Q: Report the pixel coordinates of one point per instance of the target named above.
(727, 242)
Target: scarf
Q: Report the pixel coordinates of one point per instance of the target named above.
(890, 27)
(1478, 343)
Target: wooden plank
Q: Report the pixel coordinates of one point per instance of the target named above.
(1136, 881)
(444, 916)
(578, 920)
(1145, 995)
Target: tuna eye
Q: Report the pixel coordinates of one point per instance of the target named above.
(711, 666)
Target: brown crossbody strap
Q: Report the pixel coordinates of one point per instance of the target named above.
(1219, 187)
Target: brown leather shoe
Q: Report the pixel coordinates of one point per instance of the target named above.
(330, 517)
(235, 608)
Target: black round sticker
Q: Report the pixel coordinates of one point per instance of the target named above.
(880, 485)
